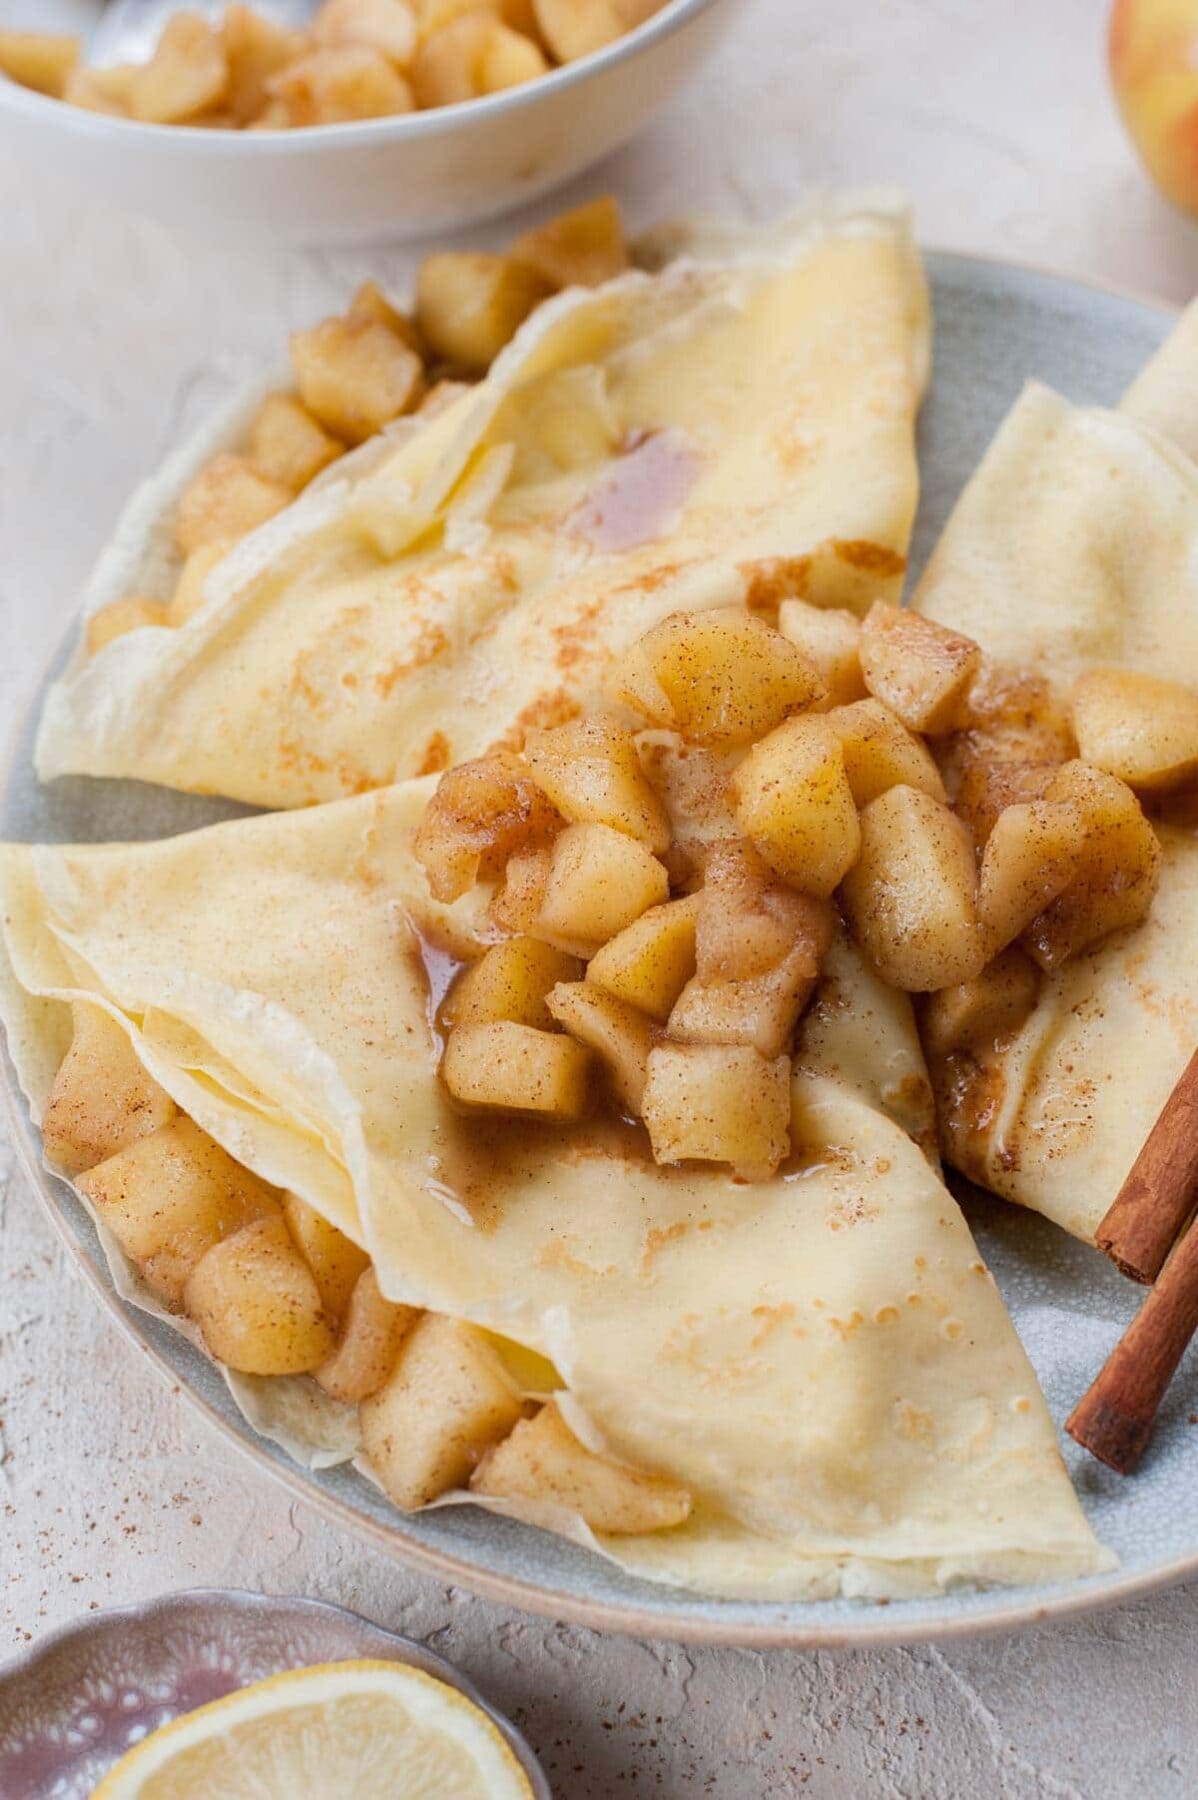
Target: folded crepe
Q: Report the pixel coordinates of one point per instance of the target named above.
(1075, 543)
(822, 1358)
(738, 425)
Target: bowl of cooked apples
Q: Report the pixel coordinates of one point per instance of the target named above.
(378, 119)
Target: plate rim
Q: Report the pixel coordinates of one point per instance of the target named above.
(873, 1627)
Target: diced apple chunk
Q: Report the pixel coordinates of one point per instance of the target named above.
(580, 248)
(446, 1402)
(718, 677)
(188, 596)
(1137, 727)
(976, 1013)
(830, 639)
(599, 881)
(761, 1010)
(226, 499)
(1031, 856)
(355, 375)
(911, 897)
(541, 1459)
(507, 1067)
(370, 302)
(337, 83)
(649, 963)
(472, 55)
(256, 49)
(388, 25)
(256, 1303)
(102, 1099)
(987, 788)
(481, 814)
(509, 981)
(371, 1336)
(168, 1198)
(335, 1260)
(41, 60)
(287, 445)
(188, 73)
(516, 902)
(591, 772)
(469, 304)
(621, 1036)
(694, 786)
(919, 669)
(122, 616)
(1119, 871)
(574, 28)
(748, 920)
(718, 1103)
(794, 801)
(879, 752)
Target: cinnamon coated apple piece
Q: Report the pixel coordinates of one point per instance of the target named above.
(372, 1332)
(717, 677)
(830, 638)
(227, 498)
(911, 897)
(257, 1304)
(505, 1067)
(619, 1035)
(335, 1260)
(447, 1401)
(598, 881)
(793, 800)
(650, 962)
(718, 1103)
(976, 1013)
(1118, 872)
(580, 248)
(469, 304)
(1137, 727)
(288, 445)
(511, 980)
(880, 752)
(102, 1099)
(170, 1197)
(541, 1459)
(482, 813)
(921, 670)
(355, 374)
(592, 773)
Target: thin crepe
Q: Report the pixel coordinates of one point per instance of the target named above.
(823, 1358)
(1076, 542)
(739, 425)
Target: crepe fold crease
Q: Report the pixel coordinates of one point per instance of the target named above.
(823, 1358)
(1075, 543)
(738, 425)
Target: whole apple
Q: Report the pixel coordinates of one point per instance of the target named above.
(1153, 51)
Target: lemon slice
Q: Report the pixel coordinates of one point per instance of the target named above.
(376, 1730)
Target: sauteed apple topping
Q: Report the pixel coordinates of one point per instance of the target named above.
(666, 876)
(274, 1289)
(357, 373)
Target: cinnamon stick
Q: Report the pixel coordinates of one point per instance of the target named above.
(1114, 1421)
(1151, 1208)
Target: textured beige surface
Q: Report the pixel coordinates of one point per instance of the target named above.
(111, 339)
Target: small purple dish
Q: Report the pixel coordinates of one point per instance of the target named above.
(80, 1697)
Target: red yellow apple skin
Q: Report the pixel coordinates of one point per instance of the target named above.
(1153, 53)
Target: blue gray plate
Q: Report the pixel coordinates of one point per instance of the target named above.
(996, 325)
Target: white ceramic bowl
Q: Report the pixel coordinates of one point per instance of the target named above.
(383, 178)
